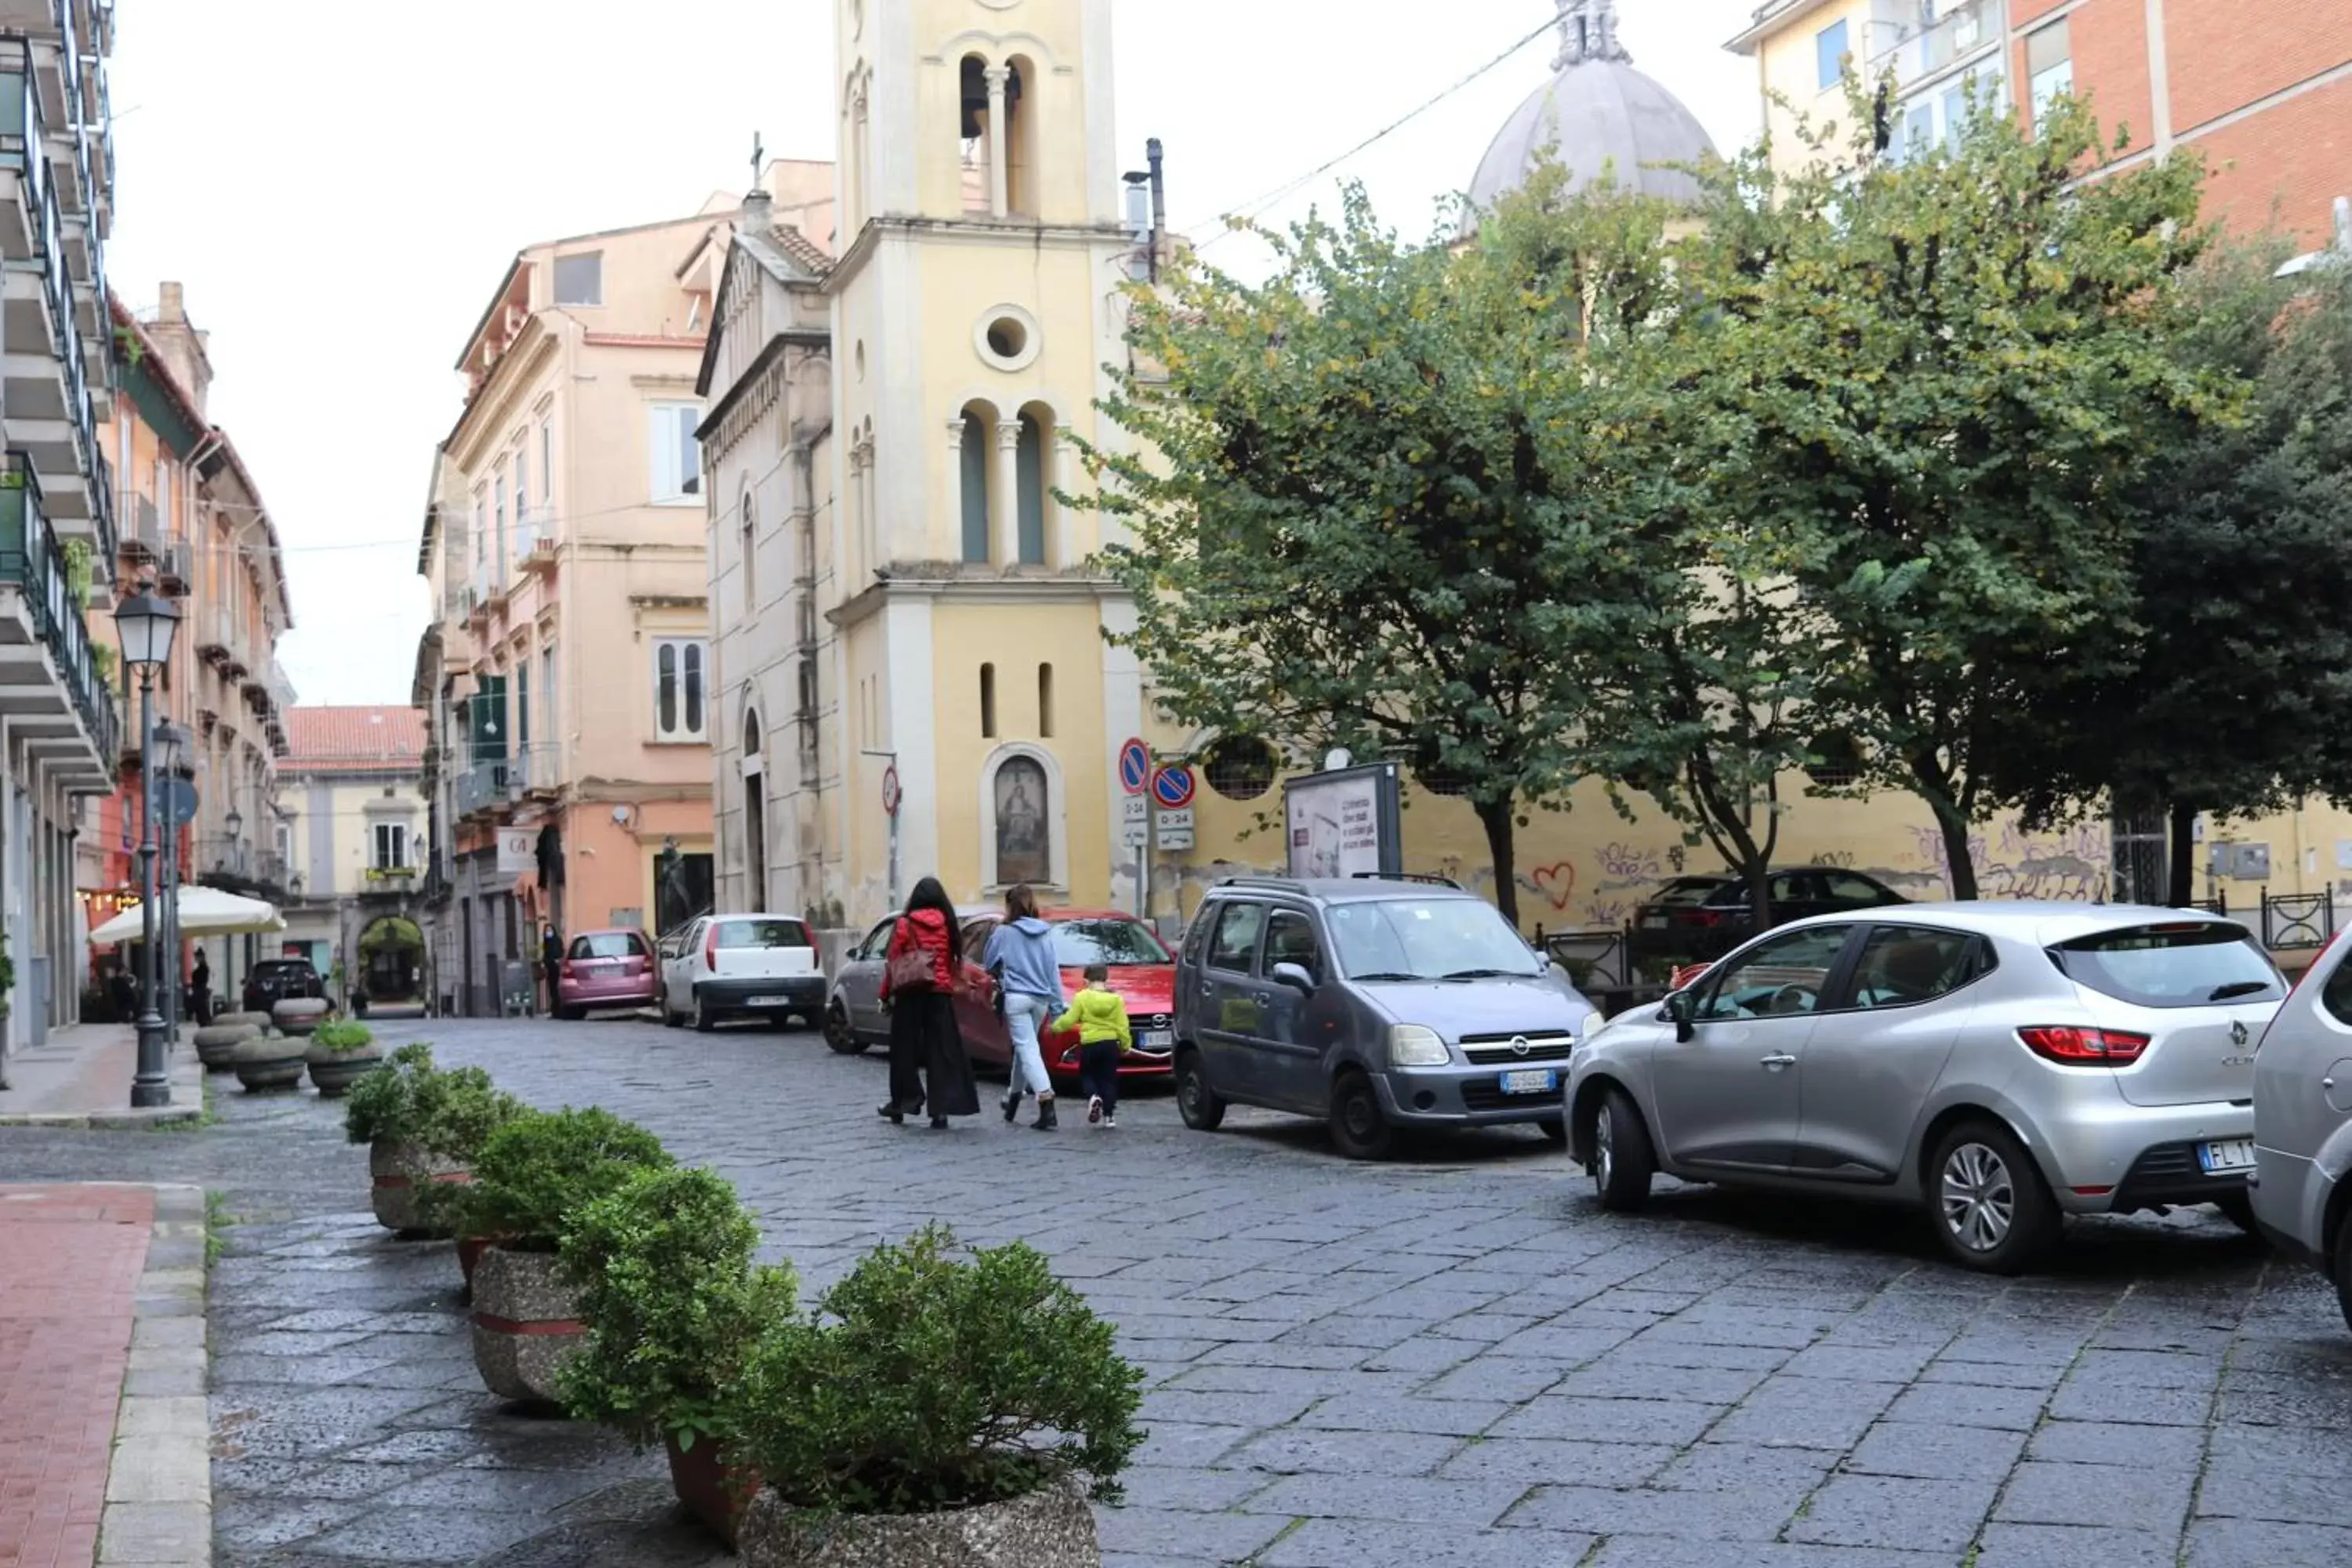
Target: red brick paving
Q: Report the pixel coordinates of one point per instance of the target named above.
(70, 1259)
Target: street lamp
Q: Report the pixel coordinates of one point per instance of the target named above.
(146, 626)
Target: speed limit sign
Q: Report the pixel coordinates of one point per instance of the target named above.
(891, 795)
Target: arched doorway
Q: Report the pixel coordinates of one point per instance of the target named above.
(391, 959)
(755, 813)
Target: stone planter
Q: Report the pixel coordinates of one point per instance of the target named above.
(258, 1020)
(527, 1324)
(216, 1044)
(332, 1073)
(715, 1492)
(266, 1064)
(470, 1255)
(298, 1014)
(398, 1169)
(1054, 1528)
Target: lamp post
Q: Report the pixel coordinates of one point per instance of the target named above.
(146, 625)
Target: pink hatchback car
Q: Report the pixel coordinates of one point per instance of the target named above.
(605, 969)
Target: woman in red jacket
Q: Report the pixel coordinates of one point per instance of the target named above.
(918, 980)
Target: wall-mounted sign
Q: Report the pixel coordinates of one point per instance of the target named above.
(517, 850)
(1345, 823)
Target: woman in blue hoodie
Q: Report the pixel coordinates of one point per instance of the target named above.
(1029, 978)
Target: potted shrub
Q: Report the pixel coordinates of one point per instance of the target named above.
(531, 1177)
(935, 1409)
(423, 1125)
(339, 1056)
(673, 1304)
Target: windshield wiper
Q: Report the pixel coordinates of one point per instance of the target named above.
(2238, 988)
(1488, 975)
(1386, 975)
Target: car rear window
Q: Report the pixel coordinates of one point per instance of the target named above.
(1077, 943)
(1684, 893)
(607, 944)
(2192, 963)
(763, 933)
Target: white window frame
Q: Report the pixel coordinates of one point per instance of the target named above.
(2047, 83)
(396, 833)
(669, 430)
(681, 649)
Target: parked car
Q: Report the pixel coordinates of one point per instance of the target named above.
(603, 970)
(1999, 1066)
(1142, 971)
(734, 966)
(273, 980)
(2302, 1184)
(854, 1018)
(1704, 917)
(1377, 1005)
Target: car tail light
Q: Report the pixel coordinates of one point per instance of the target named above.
(2076, 1046)
(710, 950)
(567, 969)
(1701, 917)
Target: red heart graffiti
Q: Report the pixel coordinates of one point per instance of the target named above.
(1543, 877)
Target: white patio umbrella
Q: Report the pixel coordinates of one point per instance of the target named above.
(204, 912)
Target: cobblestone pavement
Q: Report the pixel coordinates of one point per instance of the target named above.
(1454, 1362)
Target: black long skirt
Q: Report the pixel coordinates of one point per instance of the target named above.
(927, 1057)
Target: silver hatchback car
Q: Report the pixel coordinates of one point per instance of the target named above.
(1999, 1065)
(2303, 1122)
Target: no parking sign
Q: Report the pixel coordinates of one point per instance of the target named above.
(1172, 787)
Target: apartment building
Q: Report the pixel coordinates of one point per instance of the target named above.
(60, 723)
(566, 676)
(191, 529)
(354, 789)
(2263, 91)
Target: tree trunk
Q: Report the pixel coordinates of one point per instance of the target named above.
(1962, 865)
(1500, 819)
(2183, 846)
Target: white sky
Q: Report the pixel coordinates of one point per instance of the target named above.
(340, 196)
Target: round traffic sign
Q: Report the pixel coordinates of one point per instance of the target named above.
(1172, 787)
(891, 795)
(1134, 766)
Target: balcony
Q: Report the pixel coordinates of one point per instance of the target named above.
(537, 770)
(1957, 30)
(535, 536)
(391, 881)
(212, 631)
(143, 527)
(52, 692)
(484, 787)
(172, 566)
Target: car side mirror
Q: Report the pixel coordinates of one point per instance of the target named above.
(1681, 1007)
(1296, 977)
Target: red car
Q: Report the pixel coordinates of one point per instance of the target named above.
(605, 969)
(1142, 971)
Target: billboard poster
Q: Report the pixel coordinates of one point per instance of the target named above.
(1345, 823)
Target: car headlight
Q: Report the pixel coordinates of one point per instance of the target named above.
(1593, 1024)
(1411, 1046)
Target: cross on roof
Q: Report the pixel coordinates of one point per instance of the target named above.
(1588, 31)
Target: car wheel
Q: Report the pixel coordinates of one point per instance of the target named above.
(1991, 1209)
(839, 1035)
(703, 1020)
(1622, 1160)
(1196, 1103)
(2237, 1208)
(1358, 1128)
(1555, 1129)
(670, 1020)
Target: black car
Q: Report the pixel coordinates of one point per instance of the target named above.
(273, 980)
(1700, 918)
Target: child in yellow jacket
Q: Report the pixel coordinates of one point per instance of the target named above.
(1099, 1015)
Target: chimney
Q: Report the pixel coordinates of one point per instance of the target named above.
(181, 346)
(759, 214)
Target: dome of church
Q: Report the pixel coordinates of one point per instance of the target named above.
(1596, 113)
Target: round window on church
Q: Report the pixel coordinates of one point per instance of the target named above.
(1241, 767)
(1006, 338)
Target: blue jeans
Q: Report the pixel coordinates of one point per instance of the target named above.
(1099, 1071)
(1025, 1018)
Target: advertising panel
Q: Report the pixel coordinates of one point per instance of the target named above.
(1345, 823)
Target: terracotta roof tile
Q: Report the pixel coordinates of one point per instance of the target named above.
(353, 740)
(805, 252)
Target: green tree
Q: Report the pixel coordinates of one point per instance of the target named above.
(1376, 502)
(1949, 366)
(2234, 691)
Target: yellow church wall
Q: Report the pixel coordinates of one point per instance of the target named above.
(1053, 94)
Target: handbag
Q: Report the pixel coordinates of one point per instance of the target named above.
(913, 970)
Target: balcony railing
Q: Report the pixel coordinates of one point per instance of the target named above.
(143, 525)
(30, 559)
(1959, 29)
(536, 768)
(484, 786)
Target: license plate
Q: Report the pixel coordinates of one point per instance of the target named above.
(1155, 1040)
(1536, 1082)
(770, 1002)
(1653, 922)
(2230, 1154)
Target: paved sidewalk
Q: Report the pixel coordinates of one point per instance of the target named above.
(103, 1427)
(81, 1077)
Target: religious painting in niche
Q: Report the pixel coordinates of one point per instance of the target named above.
(1024, 851)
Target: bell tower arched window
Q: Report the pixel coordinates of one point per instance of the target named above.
(1030, 456)
(972, 455)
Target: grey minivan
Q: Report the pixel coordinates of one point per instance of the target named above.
(1376, 1005)
(2301, 1184)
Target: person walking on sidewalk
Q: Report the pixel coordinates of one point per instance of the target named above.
(1029, 987)
(918, 978)
(1099, 1015)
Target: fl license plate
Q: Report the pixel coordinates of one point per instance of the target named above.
(1544, 1081)
(2228, 1155)
(770, 1001)
(1155, 1040)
